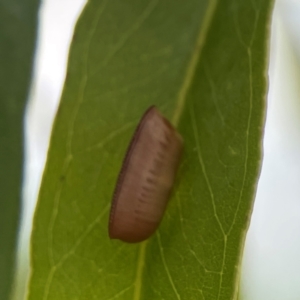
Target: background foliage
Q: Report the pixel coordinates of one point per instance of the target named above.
(18, 25)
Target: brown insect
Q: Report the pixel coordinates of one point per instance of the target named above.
(146, 179)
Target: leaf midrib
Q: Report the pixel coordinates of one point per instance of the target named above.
(181, 100)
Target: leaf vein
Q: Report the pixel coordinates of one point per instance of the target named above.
(161, 251)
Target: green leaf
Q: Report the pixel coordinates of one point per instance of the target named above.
(18, 25)
(203, 63)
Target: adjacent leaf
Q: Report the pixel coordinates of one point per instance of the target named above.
(18, 23)
(203, 63)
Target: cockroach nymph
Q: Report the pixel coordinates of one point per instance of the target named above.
(146, 179)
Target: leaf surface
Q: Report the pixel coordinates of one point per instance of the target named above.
(203, 64)
(18, 25)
